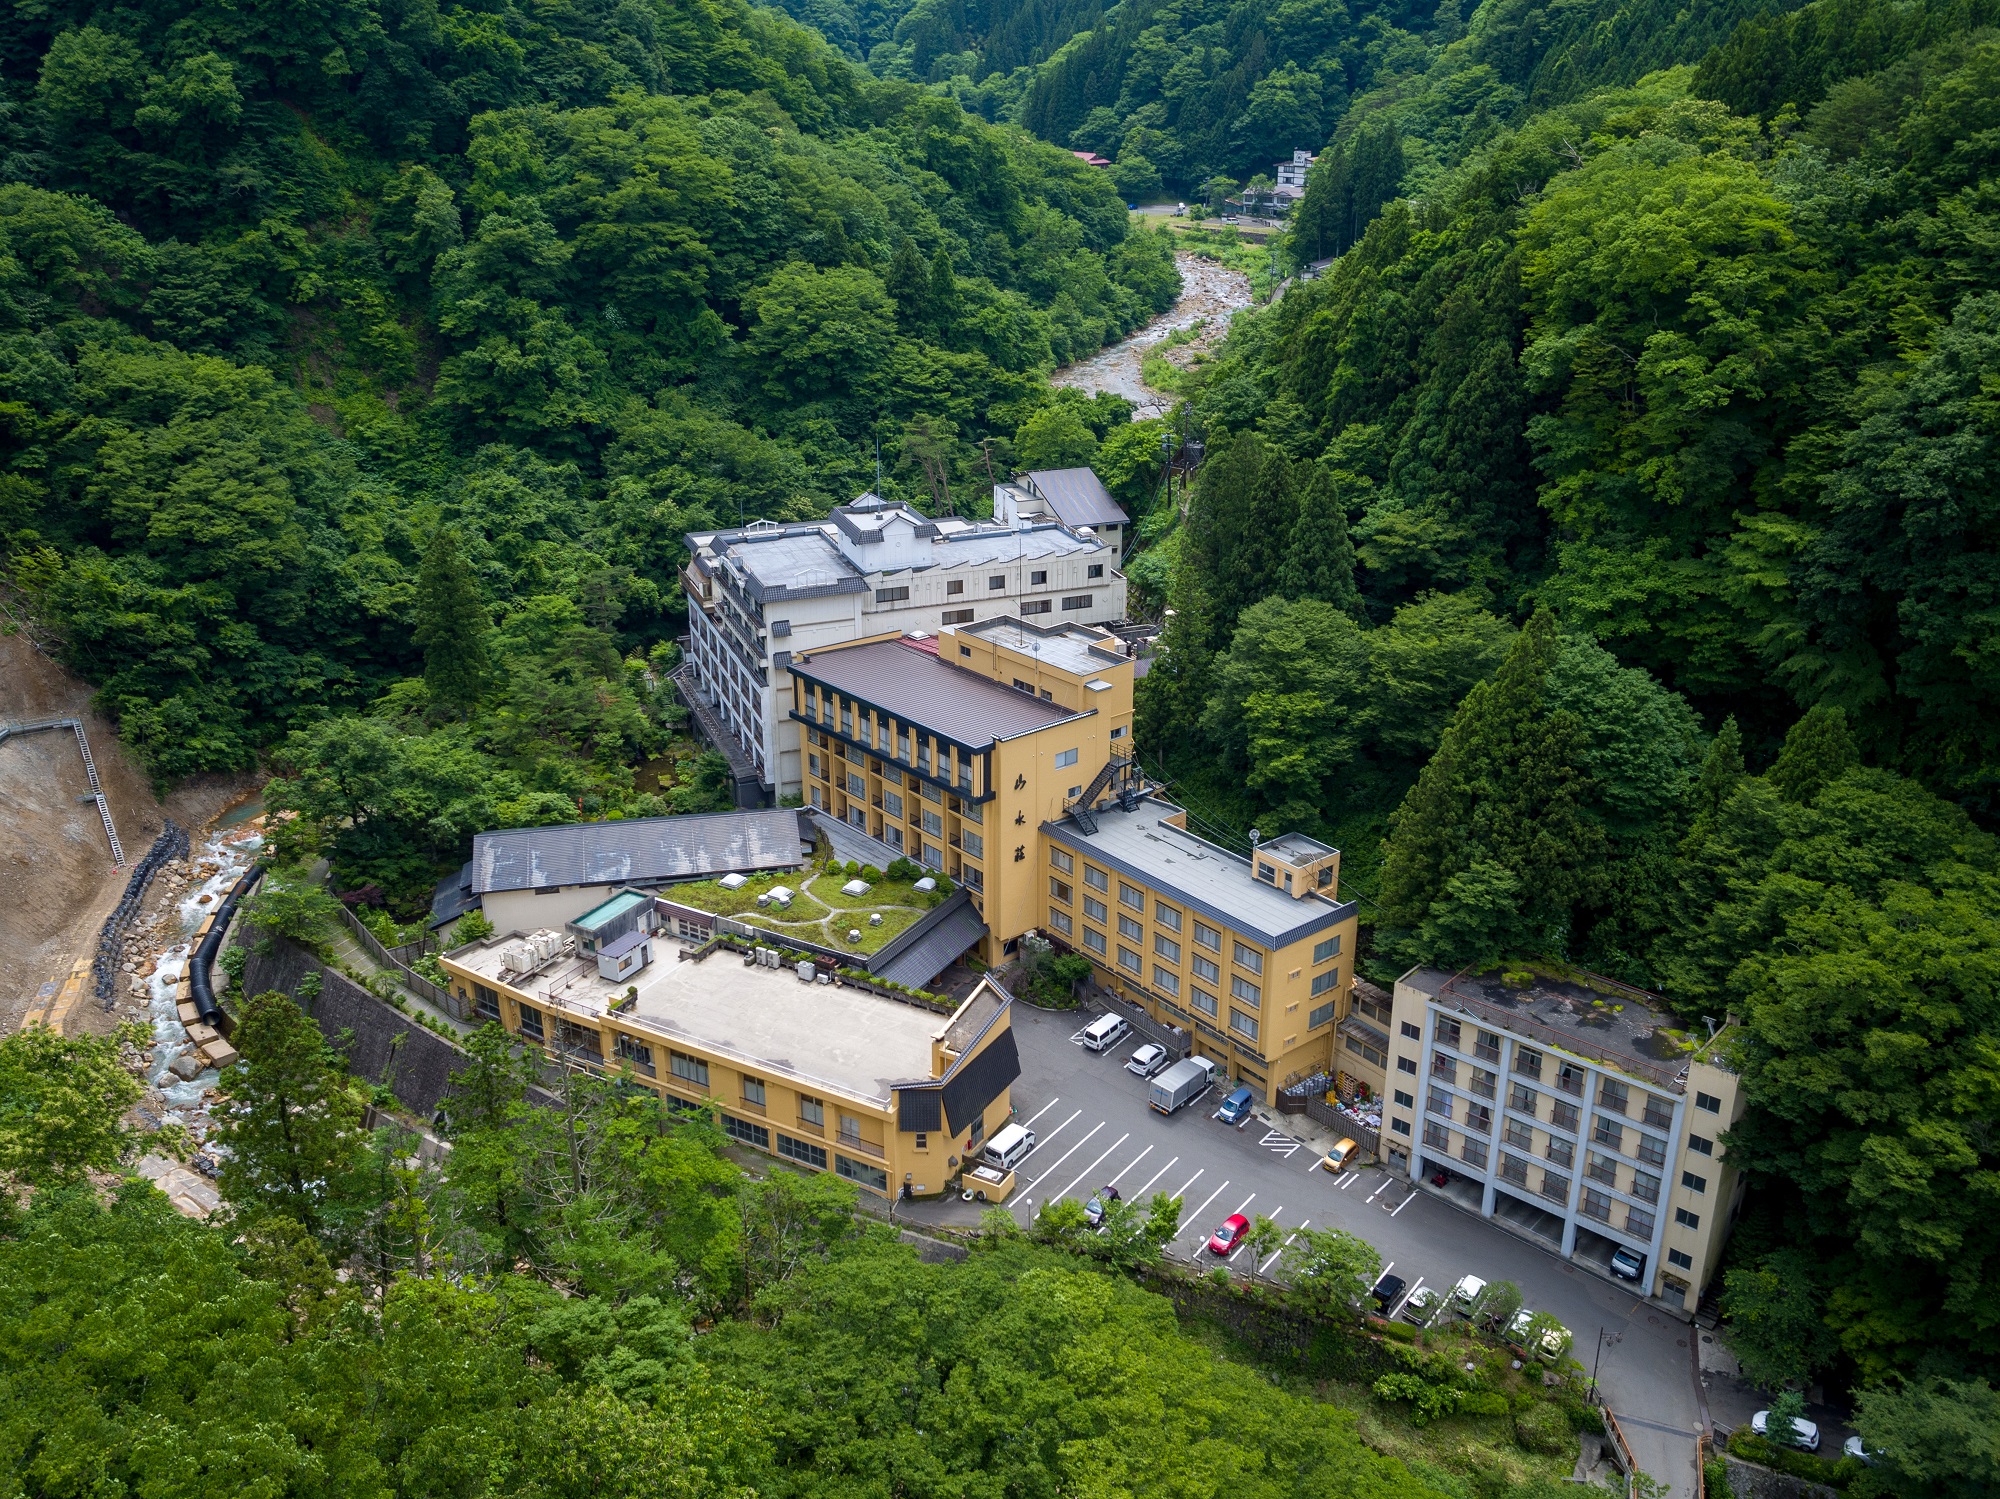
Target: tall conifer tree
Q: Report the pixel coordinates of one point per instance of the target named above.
(1319, 555)
(451, 626)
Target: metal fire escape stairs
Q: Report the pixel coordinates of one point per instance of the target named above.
(1120, 778)
(89, 769)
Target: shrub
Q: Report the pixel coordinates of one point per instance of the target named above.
(1543, 1428)
(854, 868)
(871, 874)
(1427, 1401)
(1835, 1473)
(1715, 1478)
(1483, 1403)
(1400, 1332)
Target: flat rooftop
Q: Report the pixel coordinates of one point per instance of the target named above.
(1593, 1017)
(1072, 648)
(636, 850)
(911, 684)
(1297, 848)
(1205, 876)
(843, 1040)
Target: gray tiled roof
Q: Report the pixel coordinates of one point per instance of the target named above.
(956, 929)
(1077, 496)
(915, 687)
(1206, 877)
(640, 850)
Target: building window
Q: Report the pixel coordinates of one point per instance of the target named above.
(817, 799)
(958, 617)
(1130, 930)
(1701, 1145)
(1400, 1126)
(1131, 896)
(1523, 1099)
(1651, 1150)
(1564, 1116)
(1686, 1219)
(1680, 1259)
(1408, 1101)
(1037, 578)
(1595, 1205)
(1203, 1001)
(1694, 1183)
(1447, 1032)
(1437, 1134)
(1527, 1061)
(1096, 910)
(1474, 1155)
(892, 804)
(1318, 1017)
(1407, 1064)
(1094, 940)
(1060, 921)
(485, 1002)
(1129, 961)
(1513, 1169)
(813, 1111)
(1065, 759)
(689, 1069)
(1608, 1133)
(1038, 606)
(1708, 1102)
(1600, 1168)
(1482, 1082)
(1241, 988)
(1555, 1188)
(995, 582)
(954, 588)
(1208, 937)
(1096, 878)
(1119, 732)
(1060, 891)
(803, 1151)
(1436, 1102)
(630, 1050)
(1486, 1046)
(1249, 957)
(1519, 1135)
(1325, 981)
(753, 1091)
(1325, 950)
(1095, 570)
(1166, 980)
(1645, 1186)
(1060, 859)
(1562, 1153)
(1639, 1223)
(891, 595)
(531, 1022)
(1204, 969)
(1266, 873)
(1076, 601)
(933, 824)
(865, 1176)
(1166, 916)
(748, 1133)
(1659, 1114)
(1165, 947)
(1445, 1067)
(1479, 1118)
(1614, 1096)
(856, 786)
(1412, 1032)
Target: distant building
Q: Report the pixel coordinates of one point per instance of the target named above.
(1292, 173)
(527, 879)
(764, 593)
(1091, 158)
(1074, 496)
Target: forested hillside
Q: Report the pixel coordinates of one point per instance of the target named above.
(1605, 551)
(294, 300)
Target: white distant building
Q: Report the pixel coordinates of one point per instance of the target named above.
(761, 593)
(1074, 496)
(1293, 173)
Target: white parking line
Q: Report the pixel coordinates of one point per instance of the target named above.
(1265, 1268)
(1070, 1152)
(1135, 1161)
(1196, 1214)
(1379, 1190)
(1094, 1164)
(1178, 1196)
(1156, 1176)
(1246, 1233)
(1404, 1300)
(1401, 1205)
(1041, 1142)
(1043, 1110)
(1246, 1201)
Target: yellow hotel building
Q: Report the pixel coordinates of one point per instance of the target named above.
(1000, 753)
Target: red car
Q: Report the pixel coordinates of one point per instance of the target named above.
(1227, 1237)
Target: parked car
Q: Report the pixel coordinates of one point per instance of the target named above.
(1236, 1107)
(1628, 1264)
(1549, 1347)
(1388, 1291)
(1852, 1448)
(1225, 1239)
(1803, 1434)
(1105, 1032)
(1465, 1295)
(1147, 1060)
(1181, 1084)
(1339, 1156)
(1096, 1208)
(1422, 1306)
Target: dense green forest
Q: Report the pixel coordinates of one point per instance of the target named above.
(1605, 550)
(292, 301)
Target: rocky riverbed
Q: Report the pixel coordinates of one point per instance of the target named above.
(1211, 294)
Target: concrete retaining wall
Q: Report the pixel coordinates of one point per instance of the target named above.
(1752, 1481)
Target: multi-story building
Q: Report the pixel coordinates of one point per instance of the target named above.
(878, 1090)
(954, 749)
(1293, 173)
(1253, 958)
(1074, 496)
(1571, 1108)
(765, 593)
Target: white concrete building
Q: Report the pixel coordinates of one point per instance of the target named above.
(764, 592)
(1293, 173)
(1572, 1110)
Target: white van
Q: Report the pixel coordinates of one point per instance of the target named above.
(1009, 1147)
(1105, 1032)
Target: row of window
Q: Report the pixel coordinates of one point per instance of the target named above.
(995, 582)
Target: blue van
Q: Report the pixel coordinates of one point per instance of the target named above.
(1236, 1107)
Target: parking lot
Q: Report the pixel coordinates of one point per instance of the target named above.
(1093, 1129)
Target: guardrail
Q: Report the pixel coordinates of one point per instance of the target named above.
(390, 958)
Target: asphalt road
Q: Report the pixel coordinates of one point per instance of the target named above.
(1093, 1128)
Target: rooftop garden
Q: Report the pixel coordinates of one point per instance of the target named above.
(820, 911)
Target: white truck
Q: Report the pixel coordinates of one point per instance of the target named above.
(1181, 1084)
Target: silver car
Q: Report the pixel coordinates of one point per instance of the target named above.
(1147, 1060)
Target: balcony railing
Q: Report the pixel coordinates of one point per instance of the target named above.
(866, 1147)
(812, 1128)
(747, 1106)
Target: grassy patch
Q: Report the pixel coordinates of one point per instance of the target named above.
(707, 895)
(833, 933)
(883, 893)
